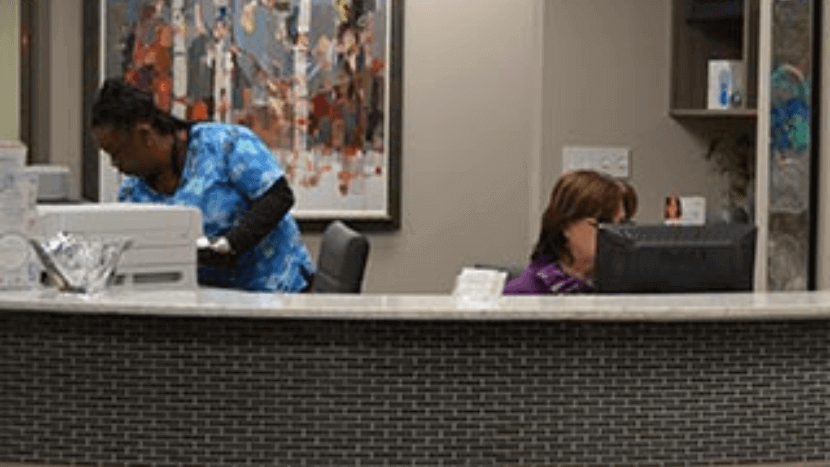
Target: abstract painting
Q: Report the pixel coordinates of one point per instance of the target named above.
(318, 80)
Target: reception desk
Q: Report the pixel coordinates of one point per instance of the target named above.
(223, 378)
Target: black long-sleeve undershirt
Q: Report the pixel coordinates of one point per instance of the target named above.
(265, 213)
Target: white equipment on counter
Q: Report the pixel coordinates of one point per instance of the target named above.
(18, 268)
(53, 181)
(163, 251)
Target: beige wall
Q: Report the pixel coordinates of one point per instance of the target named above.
(10, 69)
(471, 135)
(471, 105)
(66, 89)
(606, 78)
(58, 83)
(491, 94)
(823, 208)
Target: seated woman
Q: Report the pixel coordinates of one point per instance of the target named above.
(563, 258)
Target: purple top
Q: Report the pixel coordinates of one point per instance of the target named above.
(545, 277)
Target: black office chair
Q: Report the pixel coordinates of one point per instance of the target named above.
(342, 260)
(512, 270)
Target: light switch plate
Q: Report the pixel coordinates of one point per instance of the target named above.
(614, 161)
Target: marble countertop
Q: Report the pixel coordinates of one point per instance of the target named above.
(226, 303)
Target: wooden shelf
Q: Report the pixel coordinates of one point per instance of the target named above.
(707, 10)
(715, 21)
(705, 30)
(714, 113)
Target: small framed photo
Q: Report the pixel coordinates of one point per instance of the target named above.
(684, 210)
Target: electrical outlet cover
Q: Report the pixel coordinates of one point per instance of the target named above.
(611, 160)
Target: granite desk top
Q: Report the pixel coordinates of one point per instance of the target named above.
(207, 302)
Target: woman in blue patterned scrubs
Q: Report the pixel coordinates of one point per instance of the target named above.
(252, 242)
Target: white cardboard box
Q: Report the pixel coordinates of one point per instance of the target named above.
(52, 181)
(693, 209)
(726, 84)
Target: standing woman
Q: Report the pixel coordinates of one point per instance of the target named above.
(563, 259)
(225, 170)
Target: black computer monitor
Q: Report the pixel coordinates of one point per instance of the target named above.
(675, 259)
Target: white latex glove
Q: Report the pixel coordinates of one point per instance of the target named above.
(219, 245)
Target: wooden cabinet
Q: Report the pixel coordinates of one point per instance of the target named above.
(704, 30)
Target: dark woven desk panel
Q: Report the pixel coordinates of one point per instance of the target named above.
(114, 390)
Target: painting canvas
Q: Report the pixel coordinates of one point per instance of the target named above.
(317, 80)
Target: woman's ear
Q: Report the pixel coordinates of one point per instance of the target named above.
(144, 134)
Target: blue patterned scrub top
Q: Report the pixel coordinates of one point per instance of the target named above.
(226, 168)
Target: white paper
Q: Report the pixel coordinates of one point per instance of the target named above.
(477, 283)
(693, 209)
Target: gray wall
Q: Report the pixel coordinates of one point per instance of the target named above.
(491, 94)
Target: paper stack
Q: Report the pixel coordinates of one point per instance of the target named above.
(476, 287)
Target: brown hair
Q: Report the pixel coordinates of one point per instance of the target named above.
(630, 200)
(577, 195)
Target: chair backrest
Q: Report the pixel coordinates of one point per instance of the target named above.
(342, 260)
(512, 270)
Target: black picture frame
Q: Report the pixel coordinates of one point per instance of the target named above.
(389, 221)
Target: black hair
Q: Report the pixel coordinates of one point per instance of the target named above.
(122, 105)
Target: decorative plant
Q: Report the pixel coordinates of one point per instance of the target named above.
(734, 158)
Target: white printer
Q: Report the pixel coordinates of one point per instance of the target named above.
(52, 181)
(163, 250)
